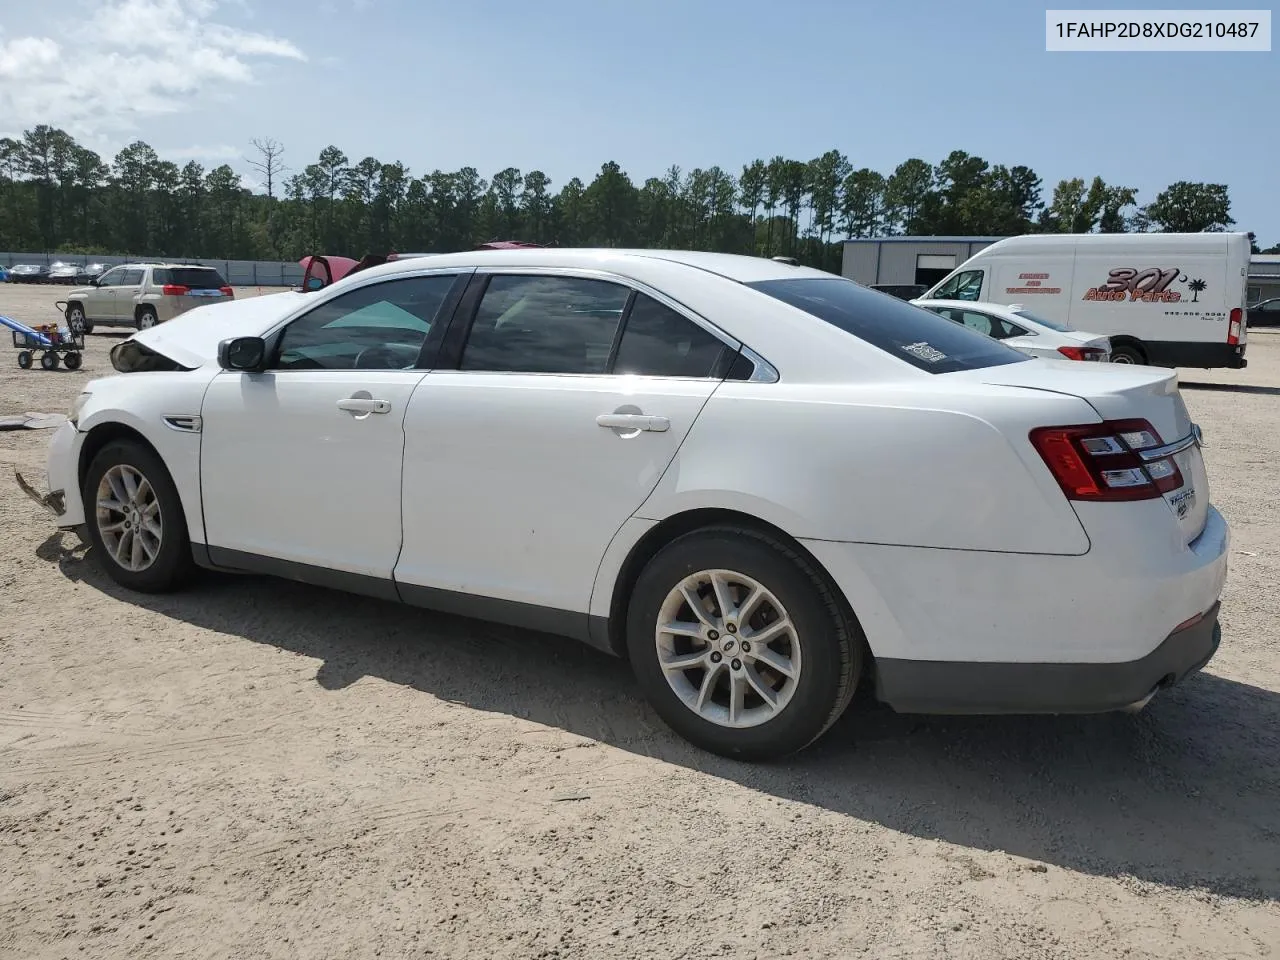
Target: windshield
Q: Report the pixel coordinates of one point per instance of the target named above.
(910, 333)
(1043, 321)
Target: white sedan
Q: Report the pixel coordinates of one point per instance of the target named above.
(759, 482)
(1023, 330)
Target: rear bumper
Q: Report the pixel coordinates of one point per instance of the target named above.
(1181, 353)
(922, 686)
(975, 632)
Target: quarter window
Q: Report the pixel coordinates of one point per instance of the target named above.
(658, 342)
(379, 327)
(536, 324)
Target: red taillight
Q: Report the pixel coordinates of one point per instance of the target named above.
(1102, 461)
(1233, 326)
(227, 292)
(174, 290)
(1082, 353)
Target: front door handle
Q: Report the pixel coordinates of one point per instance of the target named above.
(633, 421)
(364, 405)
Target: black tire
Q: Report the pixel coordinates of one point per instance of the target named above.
(173, 565)
(72, 361)
(48, 360)
(24, 359)
(77, 323)
(831, 642)
(146, 318)
(1127, 353)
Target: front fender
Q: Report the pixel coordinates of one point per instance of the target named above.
(164, 409)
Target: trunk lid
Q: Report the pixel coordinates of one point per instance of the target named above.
(1124, 392)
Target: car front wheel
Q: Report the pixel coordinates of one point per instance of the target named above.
(740, 645)
(135, 519)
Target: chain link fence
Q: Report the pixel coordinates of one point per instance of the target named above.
(238, 273)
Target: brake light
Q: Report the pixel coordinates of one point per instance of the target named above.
(227, 292)
(1233, 326)
(174, 290)
(1082, 353)
(1103, 461)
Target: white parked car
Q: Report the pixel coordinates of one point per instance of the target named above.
(759, 482)
(1034, 335)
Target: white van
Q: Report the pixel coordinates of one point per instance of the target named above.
(1165, 299)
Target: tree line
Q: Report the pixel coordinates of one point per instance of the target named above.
(57, 195)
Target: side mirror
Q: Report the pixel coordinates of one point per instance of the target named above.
(242, 353)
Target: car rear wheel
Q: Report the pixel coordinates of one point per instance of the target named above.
(135, 519)
(740, 644)
(146, 318)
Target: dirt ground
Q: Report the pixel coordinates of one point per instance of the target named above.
(260, 769)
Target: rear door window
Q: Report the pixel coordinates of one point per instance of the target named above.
(131, 278)
(545, 324)
(913, 334)
(989, 325)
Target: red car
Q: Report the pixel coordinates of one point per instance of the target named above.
(319, 271)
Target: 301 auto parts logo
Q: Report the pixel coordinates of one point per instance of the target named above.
(1148, 285)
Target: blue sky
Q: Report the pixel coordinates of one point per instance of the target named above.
(565, 85)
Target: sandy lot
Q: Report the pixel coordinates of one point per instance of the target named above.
(261, 769)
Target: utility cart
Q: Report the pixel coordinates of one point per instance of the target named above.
(54, 345)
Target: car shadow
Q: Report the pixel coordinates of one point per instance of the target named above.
(1184, 794)
(1232, 388)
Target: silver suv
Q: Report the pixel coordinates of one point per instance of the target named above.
(140, 295)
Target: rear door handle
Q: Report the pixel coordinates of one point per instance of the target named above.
(364, 405)
(633, 421)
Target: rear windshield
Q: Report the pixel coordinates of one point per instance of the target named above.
(918, 336)
(1043, 321)
(197, 278)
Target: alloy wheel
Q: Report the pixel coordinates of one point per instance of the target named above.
(129, 518)
(728, 649)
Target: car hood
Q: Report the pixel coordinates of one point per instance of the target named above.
(191, 339)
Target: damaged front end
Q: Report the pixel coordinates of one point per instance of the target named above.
(130, 356)
(55, 501)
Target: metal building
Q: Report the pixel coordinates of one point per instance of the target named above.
(1264, 277)
(908, 260)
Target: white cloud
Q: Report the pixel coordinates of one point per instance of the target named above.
(97, 76)
(218, 152)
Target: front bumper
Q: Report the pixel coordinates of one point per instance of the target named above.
(61, 477)
(922, 686)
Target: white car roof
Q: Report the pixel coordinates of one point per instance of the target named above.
(733, 266)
